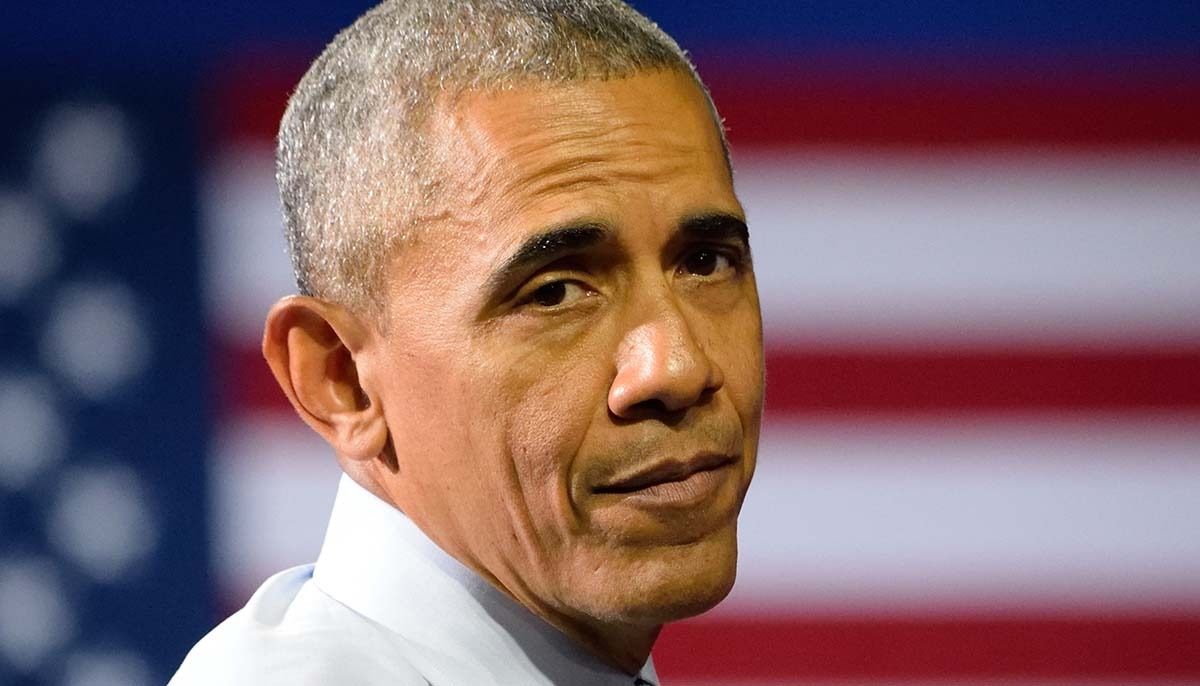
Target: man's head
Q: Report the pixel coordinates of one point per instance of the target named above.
(354, 163)
(566, 387)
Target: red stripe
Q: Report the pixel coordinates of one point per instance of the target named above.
(244, 99)
(784, 648)
(916, 104)
(244, 381)
(786, 101)
(808, 381)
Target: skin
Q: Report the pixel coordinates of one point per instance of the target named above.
(509, 410)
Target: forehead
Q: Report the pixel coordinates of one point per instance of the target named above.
(639, 154)
(518, 146)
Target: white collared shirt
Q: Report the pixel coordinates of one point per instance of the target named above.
(385, 606)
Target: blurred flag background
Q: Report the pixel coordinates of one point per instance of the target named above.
(976, 227)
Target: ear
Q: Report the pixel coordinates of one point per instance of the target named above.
(310, 346)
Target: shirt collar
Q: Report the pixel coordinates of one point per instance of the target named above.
(378, 563)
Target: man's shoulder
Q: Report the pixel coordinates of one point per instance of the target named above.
(291, 633)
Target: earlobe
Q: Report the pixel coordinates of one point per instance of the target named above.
(311, 347)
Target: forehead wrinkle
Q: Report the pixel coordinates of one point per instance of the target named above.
(468, 161)
(628, 161)
(501, 162)
(581, 131)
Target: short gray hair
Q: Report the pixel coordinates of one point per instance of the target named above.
(352, 142)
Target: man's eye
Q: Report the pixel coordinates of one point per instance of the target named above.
(556, 293)
(706, 263)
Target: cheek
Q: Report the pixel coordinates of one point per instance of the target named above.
(736, 343)
(734, 340)
(433, 415)
(552, 404)
(745, 375)
(747, 388)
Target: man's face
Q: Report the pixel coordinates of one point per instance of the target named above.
(571, 369)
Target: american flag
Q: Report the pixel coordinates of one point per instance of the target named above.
(976, 229)
(103, 425)
(981, 454)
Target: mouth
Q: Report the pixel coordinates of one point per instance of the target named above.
(672, 479)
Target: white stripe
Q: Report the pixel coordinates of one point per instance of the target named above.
(245, 262)
(1017, 514)
(976, 247)
(1000, 514)
(273, 482)
(876, 248)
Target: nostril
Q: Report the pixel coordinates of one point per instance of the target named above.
(653, 409)
(653, 405)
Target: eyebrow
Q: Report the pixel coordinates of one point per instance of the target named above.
(716, 226)
(553, 244)
(545, 247)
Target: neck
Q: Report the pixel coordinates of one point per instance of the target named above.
(621, 645)
(625, 647)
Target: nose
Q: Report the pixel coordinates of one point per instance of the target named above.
(661, 368)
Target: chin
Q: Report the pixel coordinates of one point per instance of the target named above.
(673, 602)
(665, 584)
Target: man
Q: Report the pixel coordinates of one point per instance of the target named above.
(529, 329)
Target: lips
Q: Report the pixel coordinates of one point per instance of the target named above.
(665, 473)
